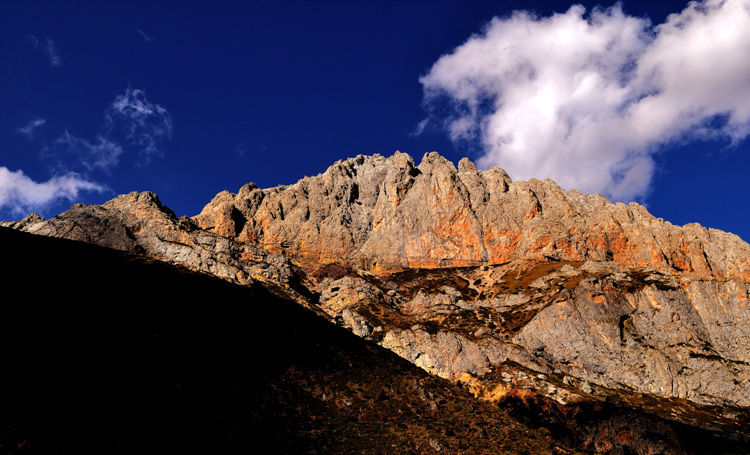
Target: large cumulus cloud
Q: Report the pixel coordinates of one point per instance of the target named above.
(587, 99)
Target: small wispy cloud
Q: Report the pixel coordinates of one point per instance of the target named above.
(49, 48)
(145, 124)
(30, 128)
(72, 159)
(72, 151)
(131, 120)
(146, 38)
(241, 149)
(33, 41)
(589, 99)
(421, 126)
(53, 54)
(20, 194)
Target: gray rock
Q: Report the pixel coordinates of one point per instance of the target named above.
(445, 354)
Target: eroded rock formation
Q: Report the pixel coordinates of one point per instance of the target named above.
(387, 214)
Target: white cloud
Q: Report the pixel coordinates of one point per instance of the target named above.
(146, 38)
(241, 149)
(52, 53)
(20, 194)
(30, 128)
(33, 41)
(144, 123)
(49, 48)
(587, 99)
(421, 126)
(100, 155)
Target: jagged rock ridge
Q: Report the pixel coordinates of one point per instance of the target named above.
(386, 214)
(478, 279)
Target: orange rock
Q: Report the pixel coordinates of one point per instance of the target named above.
(387, 214)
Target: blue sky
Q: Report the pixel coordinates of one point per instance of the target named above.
(186, 99)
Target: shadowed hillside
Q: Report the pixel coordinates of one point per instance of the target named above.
(105, 353)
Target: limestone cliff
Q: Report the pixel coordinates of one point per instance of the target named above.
(387, 214)
(507, 287)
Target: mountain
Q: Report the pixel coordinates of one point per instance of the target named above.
(612, 327)
(105, 352)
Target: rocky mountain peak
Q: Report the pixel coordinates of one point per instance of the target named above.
(513, 288)
(386, 214)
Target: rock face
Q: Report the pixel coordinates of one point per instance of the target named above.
(659, 308)
(474, 277)
(387, 214)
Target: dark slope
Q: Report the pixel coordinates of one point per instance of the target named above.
(105, 353)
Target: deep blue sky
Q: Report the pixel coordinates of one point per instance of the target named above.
(266, 92)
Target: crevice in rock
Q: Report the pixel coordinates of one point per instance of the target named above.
(239, 220)
(621, 326)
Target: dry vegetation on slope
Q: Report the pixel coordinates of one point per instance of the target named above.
(108, 353)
